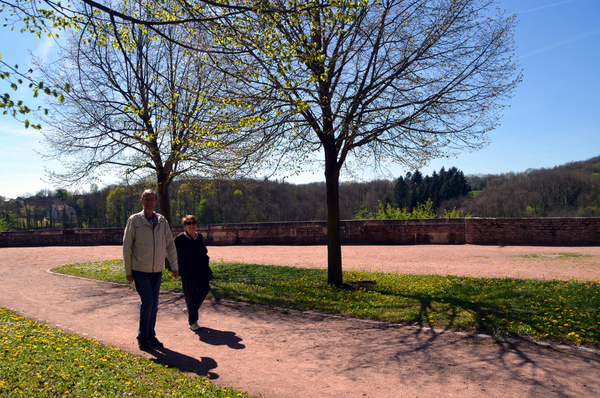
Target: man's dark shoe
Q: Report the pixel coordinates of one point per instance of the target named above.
(154, 342)
(143, 344)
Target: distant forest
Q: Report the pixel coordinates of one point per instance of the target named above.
(570, 190)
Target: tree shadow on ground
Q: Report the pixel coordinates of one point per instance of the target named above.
(487, 313)
(484, 313)
(425, 352)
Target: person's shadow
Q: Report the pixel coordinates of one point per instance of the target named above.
(220, 337)
(185, 363)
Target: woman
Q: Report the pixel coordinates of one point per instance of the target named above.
(193, 269)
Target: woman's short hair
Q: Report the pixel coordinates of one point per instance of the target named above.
(187, 218)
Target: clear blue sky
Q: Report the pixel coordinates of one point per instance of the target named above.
(554, 117)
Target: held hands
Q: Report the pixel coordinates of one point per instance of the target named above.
(175, 274)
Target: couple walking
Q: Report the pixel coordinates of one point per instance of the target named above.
(147, 241)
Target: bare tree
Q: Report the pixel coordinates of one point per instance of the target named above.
(141, 104)
(367, 83)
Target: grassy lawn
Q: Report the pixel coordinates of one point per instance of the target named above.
(560, 256)
(39, 361)
(567, 311)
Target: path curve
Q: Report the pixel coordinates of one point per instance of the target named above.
(271, 354)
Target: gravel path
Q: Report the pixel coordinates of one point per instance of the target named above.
(270, 354)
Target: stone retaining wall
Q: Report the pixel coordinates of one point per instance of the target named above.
(533, 231)
(67, 237)
(479, 231)
(373, 232)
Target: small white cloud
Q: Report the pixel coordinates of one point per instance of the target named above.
(561, 43)
(44, 48)
(13, 131)
(546, 6)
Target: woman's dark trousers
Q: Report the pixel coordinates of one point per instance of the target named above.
(195, 289)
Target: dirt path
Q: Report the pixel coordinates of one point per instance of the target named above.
(270, 354)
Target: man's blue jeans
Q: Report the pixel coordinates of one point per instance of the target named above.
(148, 287)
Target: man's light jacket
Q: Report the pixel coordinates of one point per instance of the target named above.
(144, 248)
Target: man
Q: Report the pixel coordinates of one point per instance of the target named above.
(147, 241)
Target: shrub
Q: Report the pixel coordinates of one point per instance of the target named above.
(455, 214)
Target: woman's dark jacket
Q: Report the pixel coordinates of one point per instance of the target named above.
(191, 256)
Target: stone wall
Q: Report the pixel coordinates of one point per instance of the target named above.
(67, 237)
(479, 231)
(372, 232)
(533, 231)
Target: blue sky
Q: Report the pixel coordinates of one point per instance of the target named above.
(554, 116)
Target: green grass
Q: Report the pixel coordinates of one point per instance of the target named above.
(559, 256)
(39, 361)
(530, 255)
(573, 255)
(567, 311)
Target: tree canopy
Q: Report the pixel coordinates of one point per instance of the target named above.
(49, 17)
(141, 105)
(371, 82)
(441, 186)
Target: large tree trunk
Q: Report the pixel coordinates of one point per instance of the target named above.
(163, 198)
(165, 205)
(334, 249)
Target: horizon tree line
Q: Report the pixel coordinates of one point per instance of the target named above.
(571, 190)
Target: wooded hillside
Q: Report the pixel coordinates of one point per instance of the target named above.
(570, 190)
